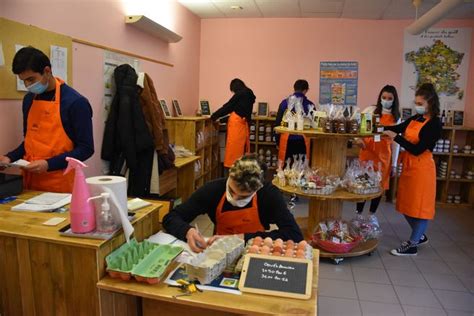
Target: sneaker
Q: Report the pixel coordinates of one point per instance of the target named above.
(373, 220)
(406, 249)
(423, 240)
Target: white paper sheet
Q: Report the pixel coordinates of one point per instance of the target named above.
(58, 58)
(29, 207)
(20, 86)
(48, 198)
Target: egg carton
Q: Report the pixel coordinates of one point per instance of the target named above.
(121, 262)
(145, 261)
(210, 263)
(207, 266)
(279, 247)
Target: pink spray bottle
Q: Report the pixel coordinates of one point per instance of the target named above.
(82, 211)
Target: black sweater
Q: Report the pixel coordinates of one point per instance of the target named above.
(241, 103)
(429, 134)
(272, 209)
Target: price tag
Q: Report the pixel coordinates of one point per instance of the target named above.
(376, 138)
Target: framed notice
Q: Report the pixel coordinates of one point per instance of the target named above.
(176, 108)
(338, 82)
(262, 109)
(406, 113)
(205, 108)
(278, 276)
(458, 119)
(165, 109)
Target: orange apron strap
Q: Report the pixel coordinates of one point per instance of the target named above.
(307, 143)
(282, 146)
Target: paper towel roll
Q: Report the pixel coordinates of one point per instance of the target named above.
(118, 185)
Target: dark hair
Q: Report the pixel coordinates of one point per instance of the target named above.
(237, 85)
(30, 58)
(428, 92)
(248, 172)
(300, 85)
(396, 103)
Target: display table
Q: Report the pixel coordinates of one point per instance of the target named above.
(158, 300)
(329, 152)
(44, 273)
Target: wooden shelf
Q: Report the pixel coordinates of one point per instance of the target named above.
(441, 154)
(182, 161)
(339, 194)
(267, 143)
(464, 155)
(460, 180)
(451, 205)
(263, 118)
(187, 118)
(459, 128)
(440, 179)
(311, 133)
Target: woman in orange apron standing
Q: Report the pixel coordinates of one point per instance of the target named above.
(240, 108)
(417, 186)
(385, 152)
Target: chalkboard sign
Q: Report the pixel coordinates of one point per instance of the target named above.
(262, 109)
(176, 107)
(165, 109)
(205, 108)
(279, 276)
(406, 113)
(458, 118)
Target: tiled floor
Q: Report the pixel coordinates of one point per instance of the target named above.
(439, 281)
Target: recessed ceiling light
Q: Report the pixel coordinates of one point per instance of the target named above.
(236, 7)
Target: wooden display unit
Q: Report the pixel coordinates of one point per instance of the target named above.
(257, 144)
(44, 273)
(198, 135)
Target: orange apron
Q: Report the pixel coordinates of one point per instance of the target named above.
(380, 152)
(284, 144)
(417, 185)
(238, 139)
(46, 138)
(240, 221)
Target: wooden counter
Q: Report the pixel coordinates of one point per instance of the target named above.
(43, 273)
(158, 300)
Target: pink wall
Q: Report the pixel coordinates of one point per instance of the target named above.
(270, 54)
(103, 22)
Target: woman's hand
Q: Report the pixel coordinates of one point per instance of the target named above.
(390, 134)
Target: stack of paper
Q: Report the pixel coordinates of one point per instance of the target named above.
(44, 202)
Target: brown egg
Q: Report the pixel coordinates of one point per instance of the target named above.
(300, 254)
(278, 240)
(302, 245)
(276, 253)
(268, 242)
(278, 244)
(278, 249)
(253, 249)
(290, 244)
(265, 250)
(289, 252)
(257, 241)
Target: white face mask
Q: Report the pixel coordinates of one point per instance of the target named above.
(234, 202)
(387, 104)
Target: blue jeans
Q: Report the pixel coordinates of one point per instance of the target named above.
(418, 228)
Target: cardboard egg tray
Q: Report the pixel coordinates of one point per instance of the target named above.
(210, 263)
(145, 261)
(279, 248)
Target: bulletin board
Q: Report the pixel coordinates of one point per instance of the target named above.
(12, 33)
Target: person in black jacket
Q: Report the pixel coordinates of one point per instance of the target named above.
(417, 185)
(240, 108)
(126, 135)
(241, 204)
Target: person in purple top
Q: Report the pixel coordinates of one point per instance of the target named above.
(289, 145)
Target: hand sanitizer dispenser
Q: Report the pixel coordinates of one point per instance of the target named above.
(103, 217)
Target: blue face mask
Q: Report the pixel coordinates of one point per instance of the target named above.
(420, 109)
(37, 87)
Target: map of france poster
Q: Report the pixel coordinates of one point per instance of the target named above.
(440, 56)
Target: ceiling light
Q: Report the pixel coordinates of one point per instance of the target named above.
(236, 7)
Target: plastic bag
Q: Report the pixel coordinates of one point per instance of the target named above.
(365, 228)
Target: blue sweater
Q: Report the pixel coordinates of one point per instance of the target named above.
(76, 117)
